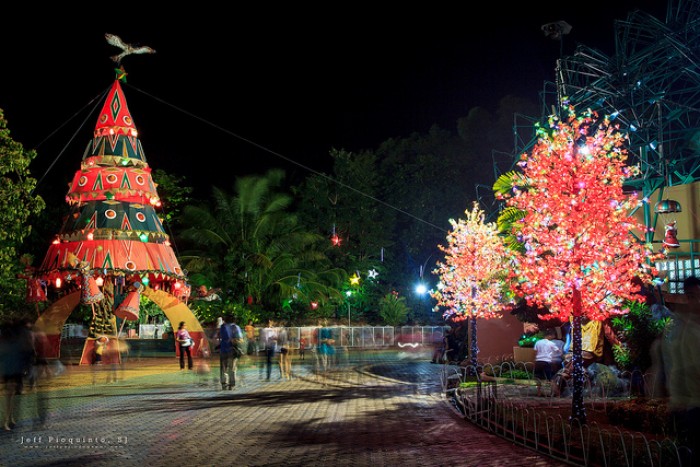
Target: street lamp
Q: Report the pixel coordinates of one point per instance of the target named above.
(348, 293)
(421, 288)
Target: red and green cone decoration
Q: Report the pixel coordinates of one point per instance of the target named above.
(112, 227)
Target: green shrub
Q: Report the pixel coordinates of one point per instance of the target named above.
(636, 330)
(393, 309)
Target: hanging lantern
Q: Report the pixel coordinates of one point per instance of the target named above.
(90, 292)
(666, 208)
(129, 308)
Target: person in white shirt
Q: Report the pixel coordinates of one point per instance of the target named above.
(546, 351)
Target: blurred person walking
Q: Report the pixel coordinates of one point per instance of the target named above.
(227, 374)
(17, 357)
(302, 347)
(285, 354)
(326, 346)
(251, 344)
(40, 375)
(268, 340)
(681, 363)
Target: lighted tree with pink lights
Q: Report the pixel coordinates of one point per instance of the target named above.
(582, 251)
(473, 273)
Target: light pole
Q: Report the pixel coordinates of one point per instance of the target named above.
(348, 294)
(422, 289)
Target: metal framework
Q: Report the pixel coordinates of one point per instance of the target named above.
(650, 86)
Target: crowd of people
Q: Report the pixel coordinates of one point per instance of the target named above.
(273, 343)
(23, 362)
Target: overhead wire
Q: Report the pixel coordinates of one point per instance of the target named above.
(287, 159)
(98, 99)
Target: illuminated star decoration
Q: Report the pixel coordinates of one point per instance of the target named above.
(354, 279)
(335, 240)
(372, 273)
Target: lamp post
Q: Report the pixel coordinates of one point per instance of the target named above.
(421, 288)
(348, 294)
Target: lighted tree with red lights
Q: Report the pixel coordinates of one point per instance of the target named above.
(473, 273)
(582, 251)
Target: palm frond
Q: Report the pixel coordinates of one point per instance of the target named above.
(504, 184)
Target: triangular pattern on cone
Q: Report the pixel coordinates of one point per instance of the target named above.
(111, 237)
(112, 222)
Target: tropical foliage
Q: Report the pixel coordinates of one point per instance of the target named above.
(17, 204)
(393, 309)
(254, 246)
(174, 193)
(636, 331)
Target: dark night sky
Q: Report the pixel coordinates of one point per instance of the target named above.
(230, 93)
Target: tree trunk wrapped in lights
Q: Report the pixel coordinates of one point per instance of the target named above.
(581, 251)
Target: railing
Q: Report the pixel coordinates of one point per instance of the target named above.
(680, 265)
(510, 411)
(364, 337)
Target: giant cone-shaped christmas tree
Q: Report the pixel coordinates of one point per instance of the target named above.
(112, 234)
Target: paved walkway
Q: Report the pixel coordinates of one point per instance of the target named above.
(368, 409)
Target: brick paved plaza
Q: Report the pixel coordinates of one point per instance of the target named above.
(369, 409)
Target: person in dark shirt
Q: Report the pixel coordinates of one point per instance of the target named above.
(227, 375)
